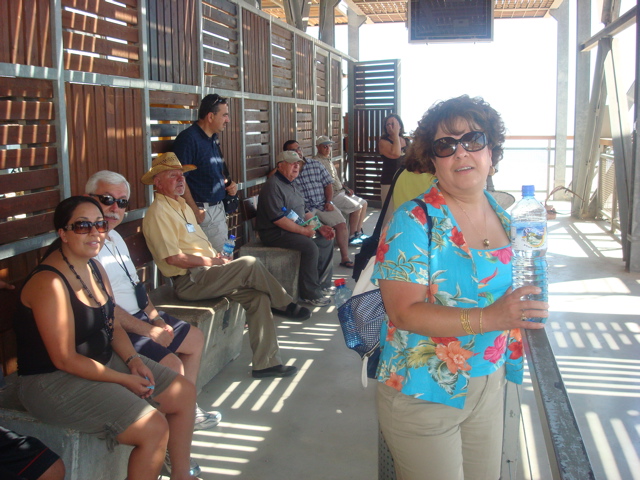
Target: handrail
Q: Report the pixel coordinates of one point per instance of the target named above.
(567, 453)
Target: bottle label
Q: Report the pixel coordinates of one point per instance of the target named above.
(529, 236)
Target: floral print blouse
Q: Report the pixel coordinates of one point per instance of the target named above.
(438, 369)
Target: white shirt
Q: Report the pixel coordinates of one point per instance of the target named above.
(112, 256)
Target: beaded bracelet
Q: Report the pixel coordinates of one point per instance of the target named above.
(464, 320)
(128, 360)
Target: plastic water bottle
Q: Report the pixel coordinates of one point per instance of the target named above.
(343, 293)
(228, 247)
(529, 245)
(291, 215)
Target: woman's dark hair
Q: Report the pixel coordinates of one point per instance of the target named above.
(385, 135)
(478, 114)
(62, 216)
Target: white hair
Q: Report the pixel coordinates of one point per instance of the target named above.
(106, 176)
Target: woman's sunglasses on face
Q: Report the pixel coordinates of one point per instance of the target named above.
(82, 227)
(108, 200)
(471, 142)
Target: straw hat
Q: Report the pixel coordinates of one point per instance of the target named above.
(166, 161)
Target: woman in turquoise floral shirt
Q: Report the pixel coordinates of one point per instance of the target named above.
(453, 332)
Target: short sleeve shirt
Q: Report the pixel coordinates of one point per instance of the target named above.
(330, 167)
(167, 234)
(311, 182)
(277, 192)
(437, 369)
(193, 146)
(116, 261)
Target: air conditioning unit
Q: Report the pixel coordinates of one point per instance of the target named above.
(450, 21)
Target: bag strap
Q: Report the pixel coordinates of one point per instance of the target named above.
(420, 202)
(385, 207)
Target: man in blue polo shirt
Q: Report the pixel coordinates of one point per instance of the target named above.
(199, 145)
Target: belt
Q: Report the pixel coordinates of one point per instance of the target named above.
(207, 204)
(176, 277)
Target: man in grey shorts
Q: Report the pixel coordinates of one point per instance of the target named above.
(154, 334)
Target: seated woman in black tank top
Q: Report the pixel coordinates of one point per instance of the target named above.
(76, 365)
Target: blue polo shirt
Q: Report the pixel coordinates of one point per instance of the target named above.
(193, 146)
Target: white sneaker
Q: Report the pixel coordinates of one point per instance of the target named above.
(318, 302)
(206, 420)
(194, 468)
(329, 291)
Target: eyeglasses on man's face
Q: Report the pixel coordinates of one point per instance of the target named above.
(471, 142)
(82, 227)
(108, 200)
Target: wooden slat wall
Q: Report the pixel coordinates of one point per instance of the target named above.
(284, 125)
(231, 141)
(322, 116)
(336, 81)
(255, 31)
(86, 29)
(106, 126)
(305, 136)
(220, 32)
(304, 68)
(281, 59)
(28, 174)
(336, 131)
(173, 41)
(25, 32)
(257, 138)
(321, 76)
(170, 113)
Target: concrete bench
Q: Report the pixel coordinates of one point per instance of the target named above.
(282, 263)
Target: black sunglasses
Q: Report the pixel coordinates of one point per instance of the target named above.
(82, 227)
(471, 142)
(108, 200)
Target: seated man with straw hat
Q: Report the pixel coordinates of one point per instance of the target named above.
(181, 250)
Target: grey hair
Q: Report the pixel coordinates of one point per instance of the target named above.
(106, 176)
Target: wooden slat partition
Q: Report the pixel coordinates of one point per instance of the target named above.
(281, 59)
(173, 41)
(304, 68)
(28, 183)
(220, 44)
(257, 128)
(25, 32)
(170, 113)
(255, 32)
(322, 115)
(321, 76)
(305, 136)
(284, 125)
(336, 131)
(95, 30)
(231, 141)
(336, 81)
(106, 126)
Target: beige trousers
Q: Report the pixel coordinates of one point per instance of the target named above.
(248, 282)
(431, 441)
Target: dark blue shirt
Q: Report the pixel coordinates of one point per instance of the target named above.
(193, 146)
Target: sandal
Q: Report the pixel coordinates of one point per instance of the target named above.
(347, 264)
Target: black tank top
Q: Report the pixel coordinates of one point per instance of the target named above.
(390, 165)
(92, 335)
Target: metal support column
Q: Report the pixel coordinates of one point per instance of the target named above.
(327, 25)
(633, 259)
(561, 14)
(355, 22)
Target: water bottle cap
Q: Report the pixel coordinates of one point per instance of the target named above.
(528, 190)
(284, 209)
(232, 237)
(339, 282)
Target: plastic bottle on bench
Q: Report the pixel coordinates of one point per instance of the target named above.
(291, 215)
(343, 293)
(529, 245)
(228, 247)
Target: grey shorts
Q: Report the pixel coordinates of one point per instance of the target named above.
(98, 408)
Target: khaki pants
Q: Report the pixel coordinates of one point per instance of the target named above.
(247, 282)
(437, 442)
(215, 226)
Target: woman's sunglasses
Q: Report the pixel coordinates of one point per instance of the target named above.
(471, 142)
(108, 200)
(82, 227)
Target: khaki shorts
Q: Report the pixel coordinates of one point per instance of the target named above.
(348, 204)
(99, 408)
(331, 218)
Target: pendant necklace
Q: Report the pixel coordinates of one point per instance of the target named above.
(485, 241)
(108, 322)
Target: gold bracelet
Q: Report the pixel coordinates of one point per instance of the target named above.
(464, 320)
(481, 331)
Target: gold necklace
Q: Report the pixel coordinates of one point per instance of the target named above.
(485, 241)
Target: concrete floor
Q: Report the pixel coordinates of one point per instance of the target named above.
(321, 424)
